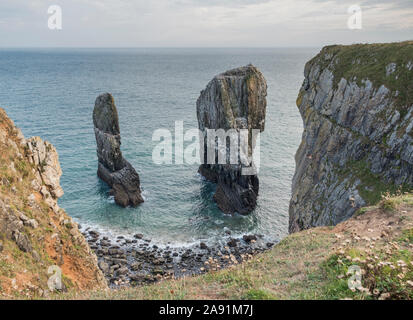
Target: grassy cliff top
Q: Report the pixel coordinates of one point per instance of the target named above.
(312, 264)
(388, 64)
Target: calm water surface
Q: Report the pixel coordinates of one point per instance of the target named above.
(51, 93)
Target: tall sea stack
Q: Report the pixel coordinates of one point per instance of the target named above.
(112, 167)
(236, 100)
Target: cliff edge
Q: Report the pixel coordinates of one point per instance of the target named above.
(357, 107)
(35, 234)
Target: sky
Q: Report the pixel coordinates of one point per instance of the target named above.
(202, 23)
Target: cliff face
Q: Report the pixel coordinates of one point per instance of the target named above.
(357, 107)
(112, 167)
(34, 232)
(235, 100)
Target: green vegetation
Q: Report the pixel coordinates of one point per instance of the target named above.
(372, 187)
(255, 294)
(384, 274)
(312, 264)
(407, 236)
(370, 61)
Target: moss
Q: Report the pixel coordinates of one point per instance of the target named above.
(372, 186)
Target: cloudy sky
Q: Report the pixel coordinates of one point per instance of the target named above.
(202, 23)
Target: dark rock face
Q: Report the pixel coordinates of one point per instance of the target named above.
(113, 168)
(235, 100)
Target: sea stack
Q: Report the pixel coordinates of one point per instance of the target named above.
(236, 100)
(112, 167)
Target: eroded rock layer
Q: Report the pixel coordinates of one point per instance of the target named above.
(112, 167)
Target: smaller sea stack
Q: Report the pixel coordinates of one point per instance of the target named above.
(233, 101)
(112, 167)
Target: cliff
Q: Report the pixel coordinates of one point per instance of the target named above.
(35, 233)
(113, 168)
(234, 100)
(356, 103)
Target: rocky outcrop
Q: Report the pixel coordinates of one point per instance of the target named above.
(112, 167)
(34, 232)
(357, 107)
(236, 100)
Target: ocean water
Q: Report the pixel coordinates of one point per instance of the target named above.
(51, 92)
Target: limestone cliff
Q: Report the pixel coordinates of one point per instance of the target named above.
(357, 107)
(34, 232)
(112, 167)
(236, 100)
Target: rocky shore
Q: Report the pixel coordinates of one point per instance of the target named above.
(137, 260)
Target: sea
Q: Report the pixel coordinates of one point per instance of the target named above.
(51, 93)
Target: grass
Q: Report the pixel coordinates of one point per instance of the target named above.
(372, 187)
(382, 273)
(361, 61)
(280, 273)
(311, 264)
(407, 236)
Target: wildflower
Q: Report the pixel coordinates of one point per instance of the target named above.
(376, 292)
(384, 296)
(400, 276)
(401, 263)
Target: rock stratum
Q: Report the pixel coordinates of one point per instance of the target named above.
(357, 108)
(35, 233)
(236, 100)
(112, 167)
